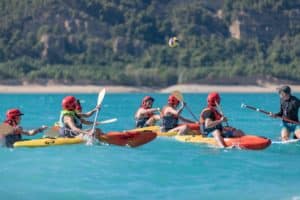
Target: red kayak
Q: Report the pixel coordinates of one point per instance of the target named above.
(248, 142)
(128, 138)
(121, 138)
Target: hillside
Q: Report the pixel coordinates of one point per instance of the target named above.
(125, 41)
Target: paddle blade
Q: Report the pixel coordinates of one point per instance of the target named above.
(101, 96)
(6, 129)
(108, 121)
(178, 95)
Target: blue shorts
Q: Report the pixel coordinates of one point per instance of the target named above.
(290, 127)
(65, 132)
(140, 123)
(225, 134)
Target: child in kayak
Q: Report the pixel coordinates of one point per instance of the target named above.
(170, 117)
(145, 116)
(289, 107)
(13, 119)
(70, 122)
(211, 121)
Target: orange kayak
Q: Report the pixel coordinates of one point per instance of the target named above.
(251, 142)
(128, 138)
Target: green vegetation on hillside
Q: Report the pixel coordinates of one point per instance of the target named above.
(125, 42)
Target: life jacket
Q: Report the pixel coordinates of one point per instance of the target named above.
(12, 138)
(217, 116)
(169, 121)
(74, 116)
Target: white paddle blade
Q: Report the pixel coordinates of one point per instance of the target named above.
(101, 96)
(108, 121)
(243, 105)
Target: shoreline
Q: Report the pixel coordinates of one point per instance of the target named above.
(184, 88)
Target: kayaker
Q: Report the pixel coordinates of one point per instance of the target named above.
(82, 116)
(170, 117)
(289, 108)
(211, 121)
(145, 115)
(70, 122)
(13, 119)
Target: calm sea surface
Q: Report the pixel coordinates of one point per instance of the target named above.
(162, 169)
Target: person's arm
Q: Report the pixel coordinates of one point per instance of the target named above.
(144, 112)
(148, 111)
(34, 131)
(186, 120)
(298, 102)
(209, 123)
(88, 114)
(278, 114)
(86, 122)
(69, 121)
(172, 111)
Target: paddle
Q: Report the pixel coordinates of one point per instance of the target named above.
(268, 113)
(179, 96)
(6, 129)
(99, 102)
(108, 121)
(221, 111)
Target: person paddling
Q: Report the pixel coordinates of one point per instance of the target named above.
(289, 108)
(70, 122)
(82, 116)
(211, 121)
(170, 117)
(13, 119)
(145, 115)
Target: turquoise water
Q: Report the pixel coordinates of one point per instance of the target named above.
(162, 169)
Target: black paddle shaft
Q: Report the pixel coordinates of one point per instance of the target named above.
(257, 109)
(268, 113)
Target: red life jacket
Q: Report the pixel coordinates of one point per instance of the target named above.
(216, 114)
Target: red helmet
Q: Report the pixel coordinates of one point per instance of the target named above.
(145, 99)
(69, 103)
(172, 100)
(78, 106)
(213, 98)
(12, 113)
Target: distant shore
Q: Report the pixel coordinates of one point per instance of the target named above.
(184, 88)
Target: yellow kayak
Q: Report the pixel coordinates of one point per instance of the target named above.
(43, 142)
(123, 138)
(157, 130)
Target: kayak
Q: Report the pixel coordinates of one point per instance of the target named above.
(194, 130)
(44, 142)
(250, 142)
(126, 138)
